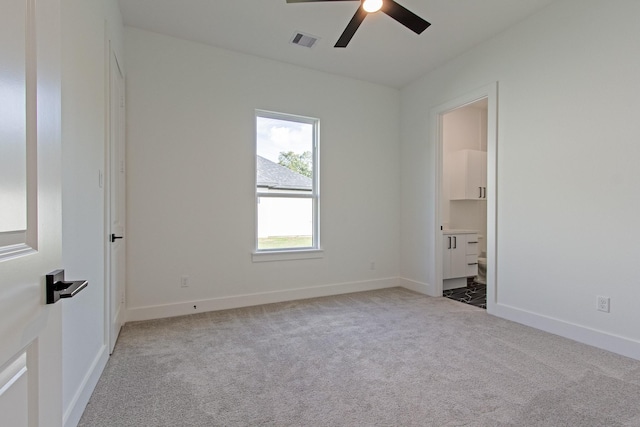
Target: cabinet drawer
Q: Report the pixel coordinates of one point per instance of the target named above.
(472, 265)
(472, 244)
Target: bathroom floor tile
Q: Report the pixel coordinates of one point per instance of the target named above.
(474, 294)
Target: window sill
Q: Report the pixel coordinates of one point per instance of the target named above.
(287, 255)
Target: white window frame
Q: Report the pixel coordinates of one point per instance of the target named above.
(315, 250)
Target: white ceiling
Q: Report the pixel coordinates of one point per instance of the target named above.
(382, 51)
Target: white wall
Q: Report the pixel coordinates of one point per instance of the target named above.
(83, 139)
(465, 128)
(568, 200)
(190, 201)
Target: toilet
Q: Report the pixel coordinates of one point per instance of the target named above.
(482, 270)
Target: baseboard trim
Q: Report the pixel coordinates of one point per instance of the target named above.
(422, 288)
(74, 412)
(585, 335)
(237, 301)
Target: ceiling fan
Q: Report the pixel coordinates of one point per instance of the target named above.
(389, 7)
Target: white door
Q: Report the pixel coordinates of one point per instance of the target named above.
(30, 213)
(116, 200)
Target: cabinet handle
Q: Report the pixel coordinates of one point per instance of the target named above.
(472, 263)
(485, 192)
(455, 242)
(480, 192)
(449, 243)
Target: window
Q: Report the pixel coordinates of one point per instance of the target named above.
(286, 183)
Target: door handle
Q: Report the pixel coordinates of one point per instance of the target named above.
(56, 287)
(114, 237)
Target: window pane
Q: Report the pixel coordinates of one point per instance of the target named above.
(285, 157)
(286, 143)
(286, 177)
(285, 223)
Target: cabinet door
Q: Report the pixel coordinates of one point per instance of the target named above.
(483, 171)
(454, 257)
(457, 174)
(474, 185)
(458, 253)
(467, 175)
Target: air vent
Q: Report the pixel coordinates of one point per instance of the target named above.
(305, 40)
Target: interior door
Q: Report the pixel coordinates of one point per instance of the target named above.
(30, 213)
(116, 199)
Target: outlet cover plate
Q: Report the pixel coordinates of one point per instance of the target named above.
(184, 281)
(603, 304)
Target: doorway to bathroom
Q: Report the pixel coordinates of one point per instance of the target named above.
(466, 163)
(464, 203)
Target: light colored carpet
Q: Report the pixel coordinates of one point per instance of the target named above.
(380, 358)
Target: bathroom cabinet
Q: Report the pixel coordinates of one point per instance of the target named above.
(460, 257)
(468, 175)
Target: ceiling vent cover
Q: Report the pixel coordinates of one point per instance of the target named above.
(305, 40)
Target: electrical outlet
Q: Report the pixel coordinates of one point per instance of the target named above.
(603, 304)
(184, 282)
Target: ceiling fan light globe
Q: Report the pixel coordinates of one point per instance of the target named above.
(372, 5)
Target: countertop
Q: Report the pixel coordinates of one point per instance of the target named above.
(459, 231)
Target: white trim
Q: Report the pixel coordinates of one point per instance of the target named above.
(237, 301)
(111, 54)
(12, 372)
(74, 411)
(606, 341)
(412, 285)
(106, 222)
(9, 239)
(286, 194)
(287, 255)
(490, 92)
(315, 179)
(14, 251)
(268, 114)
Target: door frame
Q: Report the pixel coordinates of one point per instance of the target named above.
(110, 53)
(490, 92)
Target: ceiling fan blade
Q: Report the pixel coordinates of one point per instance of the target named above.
(313, 1)
(352, 27)
(404, 16)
